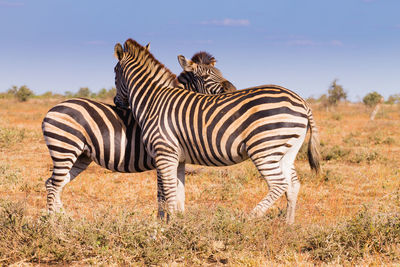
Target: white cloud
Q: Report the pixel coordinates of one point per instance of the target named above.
(307, 42)
(95, 42)
(336, 43)
(227, 22)
(301, 42)
(197, 42)
(11, 4)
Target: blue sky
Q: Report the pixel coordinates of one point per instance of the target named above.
(303, 45)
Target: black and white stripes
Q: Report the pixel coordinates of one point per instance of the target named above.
(267, 124)
(79, 131)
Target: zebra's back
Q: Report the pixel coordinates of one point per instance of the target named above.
(106, 134)
(225, 129)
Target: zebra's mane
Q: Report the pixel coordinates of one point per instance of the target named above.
(203, 57)
(137, 50)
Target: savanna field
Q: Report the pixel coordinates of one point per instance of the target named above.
(350, 214)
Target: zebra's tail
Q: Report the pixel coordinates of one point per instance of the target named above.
(314, 154)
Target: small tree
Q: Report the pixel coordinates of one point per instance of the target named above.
(13, 90)
(335, 94)
(22, 93)
(102, 93)
(393, 99)
(83, 92)
(69, 94)
(47, 94)
(372, 99)
(112, 92)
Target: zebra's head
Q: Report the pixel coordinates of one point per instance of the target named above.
(121, 99)
(200, 75)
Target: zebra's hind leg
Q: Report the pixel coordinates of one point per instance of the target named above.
(291, 195)
(63, 173)
(271, 170)
(290, 173)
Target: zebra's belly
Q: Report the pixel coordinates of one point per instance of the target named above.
(124, 153)
(216, 156)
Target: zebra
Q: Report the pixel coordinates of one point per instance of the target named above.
(79, 131)
(267, 124)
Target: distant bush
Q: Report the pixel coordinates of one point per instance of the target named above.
(104, 93)
(335, 153)
(112, 92)
(362, 235)
(393, 99)
(372, 99)
(47, 95)
(195, 239)
(23, 93)
(69, 94)
(11, 136)
(9, 176)
(311, 100)
(83, 92)
(5, 95)
(86, 93)
(364, 156)
(336, 93)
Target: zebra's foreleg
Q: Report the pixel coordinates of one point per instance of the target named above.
(180, 191)
(278, 183)
(167, 177)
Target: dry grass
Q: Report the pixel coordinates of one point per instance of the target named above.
(348, 215)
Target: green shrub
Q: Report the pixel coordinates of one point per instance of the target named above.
(83, 92)
(199, 238)
(104, 93)
(23, 93)
(337, 116)
(335, 153)
(364, 234)
(8, 175)
(372, 99)
(336, 93)
(86, 93)
(47, 95)
(352, 139)
(389, 141)
(329, 175)
(303, 152)
(10, 136)
(363, 156)
(393, 99)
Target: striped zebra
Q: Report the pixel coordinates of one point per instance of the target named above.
(267, 124)
(79, 131)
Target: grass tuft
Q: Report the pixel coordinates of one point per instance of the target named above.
(11, 136)
(365, 234)
(221, 237)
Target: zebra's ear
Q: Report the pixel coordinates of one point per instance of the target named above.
(186, 64)
(212, 62)
(118, 51)
(147, 47)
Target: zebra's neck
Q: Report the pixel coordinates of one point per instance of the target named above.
(186, 81)
(146, 83)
